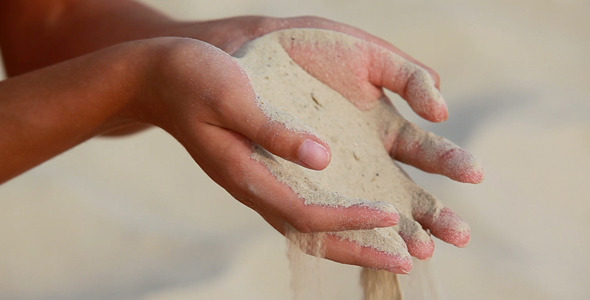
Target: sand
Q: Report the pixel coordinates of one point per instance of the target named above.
(361, 171)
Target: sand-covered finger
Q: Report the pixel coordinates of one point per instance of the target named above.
(435, 154)
(378, 249)
(418, 241)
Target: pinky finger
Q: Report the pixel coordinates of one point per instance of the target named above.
(349, 252)
(435, 154)
(341, 246)
(447, 226)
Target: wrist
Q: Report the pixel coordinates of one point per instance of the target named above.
(156, 76)
(132, 74)
(50, 110)
(227, 34)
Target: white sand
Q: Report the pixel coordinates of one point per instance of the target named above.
(361, 171)
(136, 219)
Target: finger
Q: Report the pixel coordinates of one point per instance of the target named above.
(358, 70)
(447, 226)
(268, 127)
(355, 248)
(434, 154)
(363, 35)
(441, 221)
(227, 157)
(319, 218)
(419, 242)
(369, 248)
(296, 144)
(274, 24)
(409, 80)
(236, 106)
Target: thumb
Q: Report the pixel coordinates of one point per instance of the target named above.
(279, 133)
(283, 135)
(237, 107)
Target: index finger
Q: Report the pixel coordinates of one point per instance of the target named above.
(274, 24)
(359, 69)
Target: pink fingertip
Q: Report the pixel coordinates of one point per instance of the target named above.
(438, 110)
(461, 240)
(460, 165)
(313, 155)
(400, 265)
(390, 219)
(433, 111)
(425, 98)
(421, 249)
(475, 175)
(451, 228)
(442, 113)
(471, 173)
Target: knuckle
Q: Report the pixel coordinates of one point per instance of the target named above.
(171, 51)
(271, 137)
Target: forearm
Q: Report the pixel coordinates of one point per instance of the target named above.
(38, 33)
(51, 110)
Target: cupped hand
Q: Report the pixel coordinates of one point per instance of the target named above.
(220, 123)
(201, 96)
(358, 70)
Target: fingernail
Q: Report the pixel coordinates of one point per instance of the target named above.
(390, 219)
(403, 267)
(390, 216)
(313, 155)
(463, 166)
(406, 265)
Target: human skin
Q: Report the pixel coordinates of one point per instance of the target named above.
(114, 67)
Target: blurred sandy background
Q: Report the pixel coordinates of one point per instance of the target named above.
(136, 218)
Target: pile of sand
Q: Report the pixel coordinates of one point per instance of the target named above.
(361, 171)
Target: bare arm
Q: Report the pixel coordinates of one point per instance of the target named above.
(48, 111)
(38, 33)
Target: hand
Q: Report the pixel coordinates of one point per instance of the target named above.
(201, 96)
(371, 64)
(351, 66)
